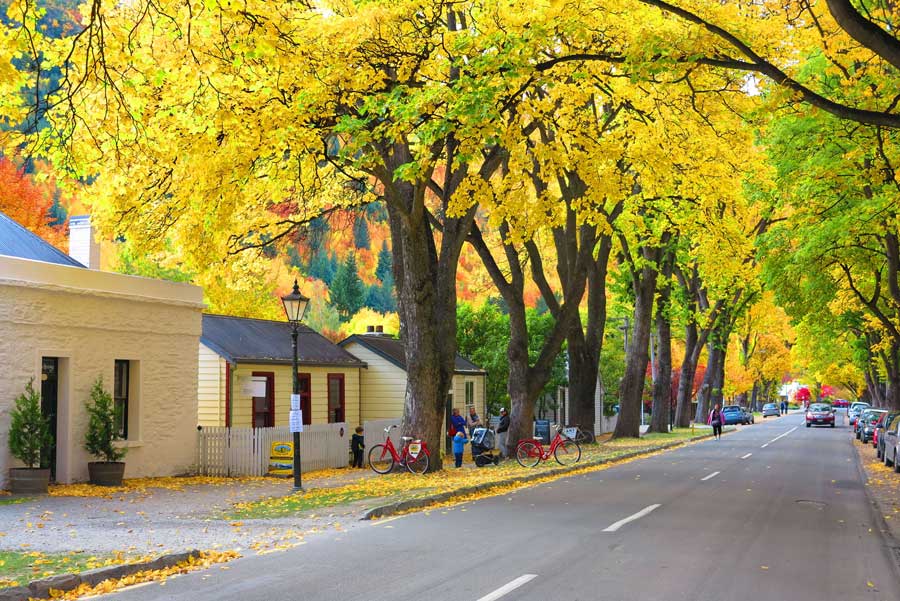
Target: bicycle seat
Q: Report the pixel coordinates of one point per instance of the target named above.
(406, 438)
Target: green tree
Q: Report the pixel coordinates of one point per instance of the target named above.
(29, 430)
(320, 266)
(361, 232)
(103, 426)
(383, 270)
(348, 293)
(482, 334)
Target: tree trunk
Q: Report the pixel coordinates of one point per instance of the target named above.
(754, 397)
(662, 388)
(686, 379)
(521, 415)
(705, 393)
(632, 389)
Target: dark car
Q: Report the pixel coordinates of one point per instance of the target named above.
(820, 414)
(854, 411)
(866, 423)
(748, 416)
(878, 437)
(733, 414)
(890, 442)
(771, 409)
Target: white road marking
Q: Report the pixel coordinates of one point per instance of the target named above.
(712, 475)
(764, 446)
(631, 518)
(509, 587)
(781, 435)
(747, 455)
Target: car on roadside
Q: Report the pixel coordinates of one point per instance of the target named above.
(771, 409)
(733, 414)
(890, 442)
(748, 416)
(854, 411)
(878, 437)
(819, 414)
(866, 423)
(841, 403)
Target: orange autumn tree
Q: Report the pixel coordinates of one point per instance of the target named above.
(30, 203)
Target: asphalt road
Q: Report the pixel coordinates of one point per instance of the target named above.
(774, 512)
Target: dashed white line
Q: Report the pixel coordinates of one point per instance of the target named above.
(747, 455)
(509, 587)
(764, 446)
(712, 475)
(631, 518)
(779, 436)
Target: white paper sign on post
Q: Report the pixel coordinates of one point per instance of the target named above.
(296, 421)
(295, 402)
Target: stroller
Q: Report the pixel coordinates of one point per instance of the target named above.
(483, 447)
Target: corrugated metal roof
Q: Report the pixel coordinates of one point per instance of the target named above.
(242, 340)
(393, 350)
(16, 241)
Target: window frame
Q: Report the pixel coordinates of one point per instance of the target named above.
(342, 389)
(119, 400)
(270, 399)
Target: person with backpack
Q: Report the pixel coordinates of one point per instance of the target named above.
(502, 431)
(716, 419)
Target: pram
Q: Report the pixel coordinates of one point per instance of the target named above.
(483, 447)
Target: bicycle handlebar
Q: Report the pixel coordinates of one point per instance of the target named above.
(389, 428)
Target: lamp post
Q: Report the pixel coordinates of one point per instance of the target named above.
(294, 307)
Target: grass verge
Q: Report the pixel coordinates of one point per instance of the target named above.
(21, 567)
(403, 486)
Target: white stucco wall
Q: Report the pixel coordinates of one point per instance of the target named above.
(89, 319)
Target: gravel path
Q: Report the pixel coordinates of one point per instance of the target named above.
(155, 521)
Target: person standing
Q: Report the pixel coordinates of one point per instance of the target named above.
(502, 429)
(457, 423)
(716, 419)
(459, 445)
(357, 444)
(472, 420)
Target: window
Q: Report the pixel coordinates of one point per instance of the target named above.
(335, 398)
(470, 394)
(304, 380)
(263, 399)
(121, 394)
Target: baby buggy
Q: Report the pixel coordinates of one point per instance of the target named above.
(483, 447)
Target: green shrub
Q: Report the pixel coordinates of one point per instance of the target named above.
(103, 427)
(29, 430)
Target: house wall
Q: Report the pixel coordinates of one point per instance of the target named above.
(384, 386)
(89, 319)
(210, 388)
(242, 405)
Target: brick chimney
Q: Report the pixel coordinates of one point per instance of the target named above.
(83, 247)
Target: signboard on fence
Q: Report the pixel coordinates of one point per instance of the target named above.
(542, 430)
(281, 459)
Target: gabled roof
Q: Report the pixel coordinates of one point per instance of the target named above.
(16, 241)
(392, 350)
(243, 340)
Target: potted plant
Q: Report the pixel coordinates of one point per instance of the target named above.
(99, 440)
(29, 434)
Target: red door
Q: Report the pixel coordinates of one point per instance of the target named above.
(264, 405)
(305, 397)
(336, 404)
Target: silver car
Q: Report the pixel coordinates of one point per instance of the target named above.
(855, 410)
(891, 442)
(771, 409)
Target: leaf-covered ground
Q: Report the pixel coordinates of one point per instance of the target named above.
(883, 484)
(21, 567)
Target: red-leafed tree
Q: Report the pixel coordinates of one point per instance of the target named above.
(30, 203)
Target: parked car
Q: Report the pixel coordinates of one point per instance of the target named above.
(820, 414)
(866, 423)
(733, 414)
(878, 437)
(854, 411)
(771, 409)
(890, 442)
(748, 416)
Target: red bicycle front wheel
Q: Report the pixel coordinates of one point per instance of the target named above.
(419, 464)
(528, 454)
(567, 452)
(380, 459)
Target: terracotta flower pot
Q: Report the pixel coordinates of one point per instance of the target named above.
(29, 481)
(106, 473)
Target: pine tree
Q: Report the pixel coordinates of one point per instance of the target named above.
(361, 233)
(347, 291)
(384, 269)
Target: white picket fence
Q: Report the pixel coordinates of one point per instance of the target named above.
(245, 451)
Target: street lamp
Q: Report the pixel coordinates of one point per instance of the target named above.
(294, 307)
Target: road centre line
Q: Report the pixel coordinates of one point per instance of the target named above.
(631, 518)
(712, 475)
(747, 455)
(509, 587)
(782, 435)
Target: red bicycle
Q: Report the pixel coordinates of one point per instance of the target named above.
(530, 452)
(414, 455)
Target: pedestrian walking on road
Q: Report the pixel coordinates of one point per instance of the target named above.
(783, 407)
(502, 429)
(357, 444)
(716, 419)
(459, 445)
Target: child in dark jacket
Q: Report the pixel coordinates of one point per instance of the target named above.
(459, 445)
(357, 444)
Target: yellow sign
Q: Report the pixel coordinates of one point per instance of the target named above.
(281, 459)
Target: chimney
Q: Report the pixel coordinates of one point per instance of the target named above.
(82, 245)
(370, 329)
(379, 329)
